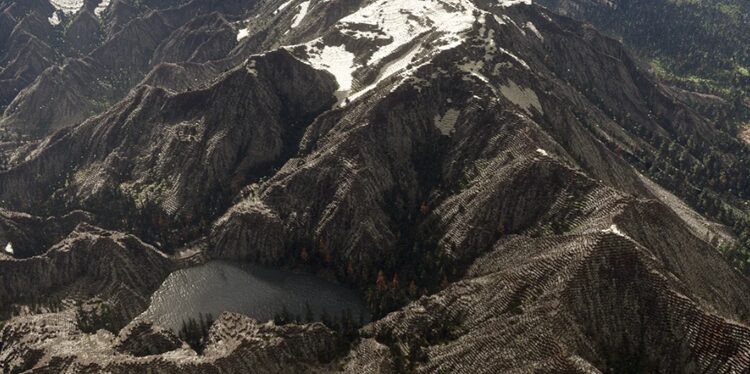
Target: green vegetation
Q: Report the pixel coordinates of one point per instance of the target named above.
(713, 178)
(698, 45)
(101, 317)
(195, 332)
(345, 324)
(701, 46)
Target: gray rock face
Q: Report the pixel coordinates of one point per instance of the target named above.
(84, 32)
(89, 263)
(186, 154)
(479, 161)
(145, 339)
(236, 344)
(69, 93)
(25, 51)
(32, 236)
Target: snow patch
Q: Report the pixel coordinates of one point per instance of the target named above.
(402, 21)
(614, 230)
(507, 3)
(9, 248)
(514, 57)
(67, 6)
(54, 20)
(302, 13)
(251, 68)
(101, 7)
(447, 123)
(73, 6)
(542, 152)
(525, 98)
(533, 29)
(282, 7)
(337, 61)
(243, 33)
(390, 69)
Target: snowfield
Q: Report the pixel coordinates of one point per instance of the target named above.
(67, 6)
(402, 21)
(72, 6)
(395, 37)
(339, 62)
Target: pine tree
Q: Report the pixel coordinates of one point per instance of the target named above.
(309, 315)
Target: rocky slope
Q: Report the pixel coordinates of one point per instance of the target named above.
(109, 56)
(705, 38)
(700, 51)
(475, 167)
(124, 162)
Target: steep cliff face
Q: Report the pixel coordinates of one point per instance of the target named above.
(84, 32)
(30, 235)
(475, 167)
(91, 83)
(25, 37)
(176, 158)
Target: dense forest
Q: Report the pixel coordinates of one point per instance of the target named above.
(705, 48)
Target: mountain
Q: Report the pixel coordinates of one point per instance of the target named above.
(700, 51)
(696, 45)
(509, 189)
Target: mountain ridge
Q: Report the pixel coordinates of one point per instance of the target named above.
(480, 174)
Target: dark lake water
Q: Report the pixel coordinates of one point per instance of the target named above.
(256, 291)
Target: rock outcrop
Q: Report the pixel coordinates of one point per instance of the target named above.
(190, 154)
(236, 344)
(144, 339)
(89, 263)
(69, 93)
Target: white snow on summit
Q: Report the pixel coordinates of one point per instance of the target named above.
(402, 21)
(388, 36)
(9, 248)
